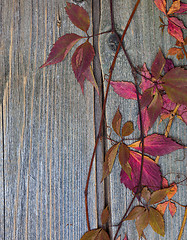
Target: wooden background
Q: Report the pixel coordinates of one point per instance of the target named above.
(48, 127)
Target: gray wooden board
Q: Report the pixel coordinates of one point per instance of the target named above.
(48, 128)
(142, 42)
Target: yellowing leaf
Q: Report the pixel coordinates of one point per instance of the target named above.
(135, 212)
(142, 222)
(127, 129)
(156, 221)
(116, 122)
(105, 215)
(158, 195)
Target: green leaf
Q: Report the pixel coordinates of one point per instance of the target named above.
(116, 122)
(158, 65)
(156, 221)
(109, 160)
(124, 153)
(142, 221)
(105, 215)
(135, 212)
(175, 85)
(159, 195)
(127, 129)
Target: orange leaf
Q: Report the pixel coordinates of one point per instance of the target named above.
(173, 51)
(172, 191)
(161, 5)
(174, 7)
(162, 207)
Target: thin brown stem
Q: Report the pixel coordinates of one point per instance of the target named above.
(178, 203)
(103, 111)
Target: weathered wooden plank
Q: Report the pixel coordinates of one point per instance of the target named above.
(48, 128)
(142, 42)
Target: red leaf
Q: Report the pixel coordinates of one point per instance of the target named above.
(146, 79)
(175, 30)
(151, 176)
(162, 207)
(174, 7)
(182, 112)
(125, 90)
(61, 48)
(82, 58)
(161, 5)
(145, 121)
(157, 145)
(78, 16)
(172, 208)
(158, 65)
(164, 183)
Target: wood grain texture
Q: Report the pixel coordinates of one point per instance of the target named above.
(47, 126)
(142, 42)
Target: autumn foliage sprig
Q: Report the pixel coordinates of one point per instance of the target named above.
(162, 89)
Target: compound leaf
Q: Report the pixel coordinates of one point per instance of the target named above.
(156, 221)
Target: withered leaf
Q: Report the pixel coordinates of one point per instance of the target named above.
(156, 221)
(91, 235)
(127, 129)
(159, 195)
(146, 98)
(116, 122)
(123, 155)
(105, 215)
(135, 212)
(78, 16)
(142, 221)
(109, 160)
(146, 194)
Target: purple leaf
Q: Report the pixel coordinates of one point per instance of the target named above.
(125, 90)
(157, 145)
(151, 176)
